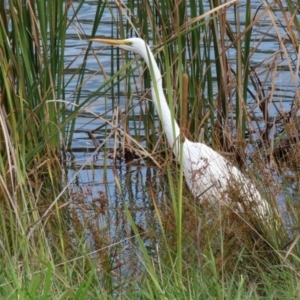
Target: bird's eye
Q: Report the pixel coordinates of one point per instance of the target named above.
(128, 43)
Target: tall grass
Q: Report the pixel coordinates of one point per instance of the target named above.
(30, 75)
(54, 244)
(35, 235)
(227, 93)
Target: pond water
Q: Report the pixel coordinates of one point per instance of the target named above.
(93, 172)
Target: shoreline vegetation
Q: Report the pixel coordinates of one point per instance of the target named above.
(62, 242)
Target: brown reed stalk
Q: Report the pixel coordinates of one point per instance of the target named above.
(185, 91)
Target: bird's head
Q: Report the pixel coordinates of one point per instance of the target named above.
(136, 45)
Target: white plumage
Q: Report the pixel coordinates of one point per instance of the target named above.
(209, 175)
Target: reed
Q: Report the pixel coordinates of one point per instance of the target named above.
(61, 240)
(35, 225)
(225, 98)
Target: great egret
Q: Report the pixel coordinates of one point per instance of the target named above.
(209, 176)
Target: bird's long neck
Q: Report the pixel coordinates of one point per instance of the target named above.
(169, 123)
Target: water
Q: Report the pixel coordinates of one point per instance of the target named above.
(92, 171)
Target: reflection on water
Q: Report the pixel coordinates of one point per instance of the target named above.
(99, 196)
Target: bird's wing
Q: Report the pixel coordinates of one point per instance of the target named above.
(210, 176)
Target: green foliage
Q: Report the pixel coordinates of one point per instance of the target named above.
(185, 252)
(224, 90)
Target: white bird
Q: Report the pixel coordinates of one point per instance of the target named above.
(209, 176)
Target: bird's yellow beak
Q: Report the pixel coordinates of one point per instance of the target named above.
(111, 42)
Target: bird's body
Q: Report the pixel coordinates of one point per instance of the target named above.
(211, 177)
(208, 174)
